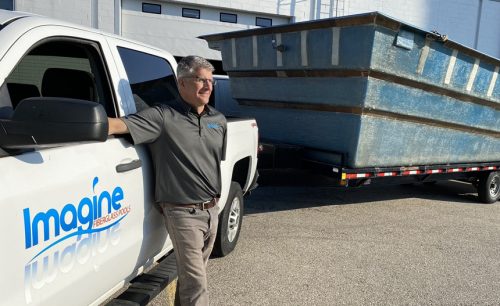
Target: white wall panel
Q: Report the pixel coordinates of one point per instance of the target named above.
(90, 13)
(456, 18)
(175, 34)
(69, 10)
(489, 36)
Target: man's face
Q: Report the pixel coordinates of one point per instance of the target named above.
(196, 89)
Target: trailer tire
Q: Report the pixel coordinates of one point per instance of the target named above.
(230, 220)
(488, 188)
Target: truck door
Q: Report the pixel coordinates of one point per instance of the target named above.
(73, 214)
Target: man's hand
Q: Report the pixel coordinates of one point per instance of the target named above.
(116, 126)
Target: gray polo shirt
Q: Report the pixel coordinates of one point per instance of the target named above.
(186, 149)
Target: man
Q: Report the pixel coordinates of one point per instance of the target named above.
(186, 140)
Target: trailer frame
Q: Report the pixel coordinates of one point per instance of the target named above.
(484, 176)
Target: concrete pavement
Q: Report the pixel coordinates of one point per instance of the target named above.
(397, 245)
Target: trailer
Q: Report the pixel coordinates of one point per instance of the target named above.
(366, 97)
(484, 176)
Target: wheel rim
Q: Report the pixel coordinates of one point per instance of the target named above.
(233, 222)
(495, 186)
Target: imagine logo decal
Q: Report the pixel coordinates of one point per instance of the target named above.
(93, 221)
(75, 220)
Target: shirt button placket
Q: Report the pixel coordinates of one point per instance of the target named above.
(199, 125)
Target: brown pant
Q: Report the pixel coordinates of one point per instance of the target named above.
(192, 232)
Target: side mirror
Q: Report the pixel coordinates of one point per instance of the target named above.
(48, 121)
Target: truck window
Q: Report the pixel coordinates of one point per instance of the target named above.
(67, 69)
(151, 78)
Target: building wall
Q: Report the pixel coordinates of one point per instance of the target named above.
(90, 13)
(489, 32)
(456, 18)
(246, 18)
(281, 7)
(170, 33)
(75, 11)
(106, 15)
(177, 34)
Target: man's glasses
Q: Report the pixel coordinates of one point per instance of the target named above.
(203, 81)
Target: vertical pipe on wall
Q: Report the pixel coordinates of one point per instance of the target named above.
(312, 4)
(318, 9)
(478, 23)
(118, 17)
(94, 14)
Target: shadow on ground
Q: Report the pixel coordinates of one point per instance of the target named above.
(292, 189)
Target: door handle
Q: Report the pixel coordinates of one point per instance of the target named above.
(136, 163)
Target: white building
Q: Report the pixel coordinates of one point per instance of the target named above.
(174, 25)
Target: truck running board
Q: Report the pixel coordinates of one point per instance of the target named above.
(145, 287)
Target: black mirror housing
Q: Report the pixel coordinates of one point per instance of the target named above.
(48, 121)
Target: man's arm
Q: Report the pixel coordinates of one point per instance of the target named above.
(116, 126)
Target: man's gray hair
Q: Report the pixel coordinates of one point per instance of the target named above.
(188, 66)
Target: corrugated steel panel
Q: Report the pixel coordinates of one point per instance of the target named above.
(379, 91)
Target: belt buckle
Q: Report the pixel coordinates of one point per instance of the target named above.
(205, 203)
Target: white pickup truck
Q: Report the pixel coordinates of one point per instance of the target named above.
(78, 216)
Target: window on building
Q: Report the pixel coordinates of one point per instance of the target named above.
(227, 17)
(7, 5)
(151, 78)
(151, 8)
(190, 13)
(263, 22)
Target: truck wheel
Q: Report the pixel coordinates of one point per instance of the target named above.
(488, 188)
(230, 220)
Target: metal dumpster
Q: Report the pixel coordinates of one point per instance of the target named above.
(366, 91)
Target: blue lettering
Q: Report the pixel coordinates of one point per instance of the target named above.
(68, 208)
(45, 219)
(104, 196)
(89, 217)
(96, 209)
(117, 197)
(71, 217)
(27, 228)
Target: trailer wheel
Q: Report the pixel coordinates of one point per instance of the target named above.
(230, 220)
(488, 188)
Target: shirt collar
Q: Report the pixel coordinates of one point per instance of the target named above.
(185, 108)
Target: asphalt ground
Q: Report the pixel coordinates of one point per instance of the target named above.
(304, 243)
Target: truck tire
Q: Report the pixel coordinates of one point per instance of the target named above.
(230, 221)
(488, 188)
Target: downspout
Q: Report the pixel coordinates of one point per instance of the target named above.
(318, 9)
(478, 23)
(312, 9)
(94, 14)
(118, 17)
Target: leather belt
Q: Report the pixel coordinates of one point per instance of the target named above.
(203, 205)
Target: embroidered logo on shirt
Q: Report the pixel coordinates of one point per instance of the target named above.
(212, 125)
